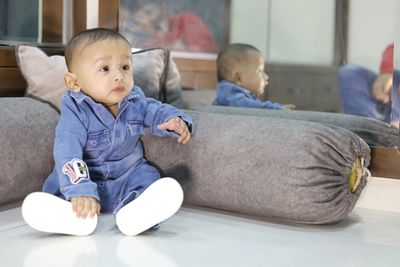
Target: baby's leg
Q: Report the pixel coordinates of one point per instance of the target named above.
(158, 202)
(47, 213)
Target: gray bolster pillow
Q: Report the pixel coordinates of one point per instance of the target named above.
(292, 170)
(27, 137)
(374, 132)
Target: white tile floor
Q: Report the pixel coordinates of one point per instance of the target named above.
(203, 237)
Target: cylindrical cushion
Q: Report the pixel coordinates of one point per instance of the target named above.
(374, 132)
(26, 140)
(293, 170)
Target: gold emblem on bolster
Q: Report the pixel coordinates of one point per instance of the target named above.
(357, 171)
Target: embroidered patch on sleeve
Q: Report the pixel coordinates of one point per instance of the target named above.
(76, 170)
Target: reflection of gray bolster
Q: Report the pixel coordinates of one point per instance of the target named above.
(374, 132)
(293, 170)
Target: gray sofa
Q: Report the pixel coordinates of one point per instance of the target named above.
(26, 134)
(293, 170)
(296, 166)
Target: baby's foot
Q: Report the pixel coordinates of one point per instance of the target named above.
(158, 202)
(47, 213)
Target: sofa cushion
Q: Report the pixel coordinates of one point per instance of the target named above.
(374, 132)
(45, 75)
(293, 170)
(27, 136)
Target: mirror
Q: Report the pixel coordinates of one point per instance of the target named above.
(320, 55)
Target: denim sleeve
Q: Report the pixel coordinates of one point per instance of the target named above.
(73, 174)
(239, 100)
(157, 113)
(270, 105)
(395, 115)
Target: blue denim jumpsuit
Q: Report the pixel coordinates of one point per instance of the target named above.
(231, 94)
(100, 156)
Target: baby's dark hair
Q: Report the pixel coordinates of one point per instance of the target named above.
(231, 56)
(88, 37)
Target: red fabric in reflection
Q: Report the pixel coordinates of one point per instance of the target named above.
(387, 60)
(186, 32)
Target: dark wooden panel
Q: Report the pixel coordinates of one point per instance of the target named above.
(79, 16)
(52, 21)
(50, 51)
(109, 14)
(7, 57)
(385, 162)
(12, 83)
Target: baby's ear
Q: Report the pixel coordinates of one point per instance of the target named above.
(236, 77)
(71, 82)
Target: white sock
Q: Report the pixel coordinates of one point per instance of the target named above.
(158, 202)
(47, 213)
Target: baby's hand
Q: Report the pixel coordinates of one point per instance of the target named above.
(85, 206)
(289, 106)
(382, 87)
(179, 126)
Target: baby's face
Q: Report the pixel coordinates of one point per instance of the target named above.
(252, 75)
(104, 70)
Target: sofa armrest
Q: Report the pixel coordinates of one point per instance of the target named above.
(26, 138)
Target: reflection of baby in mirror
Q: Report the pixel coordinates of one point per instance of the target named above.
(155, 25)
(382, 87)
(242, 78)
(366, 93)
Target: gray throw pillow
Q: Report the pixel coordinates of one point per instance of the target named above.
(157, 75)
(374, 132)
(292, 170)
